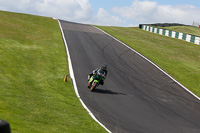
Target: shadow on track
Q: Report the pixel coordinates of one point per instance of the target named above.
(102, 91)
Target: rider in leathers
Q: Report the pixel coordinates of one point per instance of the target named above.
(104, 68)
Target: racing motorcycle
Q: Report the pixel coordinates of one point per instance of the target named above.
(96, 79)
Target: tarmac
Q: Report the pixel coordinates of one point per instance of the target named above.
(136, 97)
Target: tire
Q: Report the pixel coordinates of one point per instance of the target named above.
(4, 127)
(93, 86)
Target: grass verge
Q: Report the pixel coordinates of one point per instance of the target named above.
(184, 29)
(33, 62)
(178, 58)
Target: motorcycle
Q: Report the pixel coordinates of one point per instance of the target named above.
(96, 79)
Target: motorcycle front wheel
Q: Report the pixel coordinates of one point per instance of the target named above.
(94, 84)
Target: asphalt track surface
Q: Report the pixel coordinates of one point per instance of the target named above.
(136, 97)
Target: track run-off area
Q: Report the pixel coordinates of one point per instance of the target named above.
(137, 96)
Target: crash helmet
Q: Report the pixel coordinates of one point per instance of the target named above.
(104, 66)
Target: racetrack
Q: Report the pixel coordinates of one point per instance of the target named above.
(137, 97)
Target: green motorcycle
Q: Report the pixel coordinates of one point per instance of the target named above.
(96, 79)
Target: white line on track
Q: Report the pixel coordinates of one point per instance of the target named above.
(151, 63)
(74, 81)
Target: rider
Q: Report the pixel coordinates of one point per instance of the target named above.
(104, 68)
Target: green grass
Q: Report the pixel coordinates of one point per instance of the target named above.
(178, 58)
(33, 62)
(184, 29)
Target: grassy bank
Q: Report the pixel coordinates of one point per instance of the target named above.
(33, 63)
(178, 58)
(184, 29)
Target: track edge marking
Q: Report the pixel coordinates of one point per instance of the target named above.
(74, 80)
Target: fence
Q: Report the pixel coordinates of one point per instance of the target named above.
(173, 34)
(196, 24)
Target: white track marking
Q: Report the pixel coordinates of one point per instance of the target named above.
(74, 81)
(151, 63)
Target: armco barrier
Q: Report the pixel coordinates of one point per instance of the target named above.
(173, 34)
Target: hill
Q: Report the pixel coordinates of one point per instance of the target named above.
(33, 63)
(184, 29)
